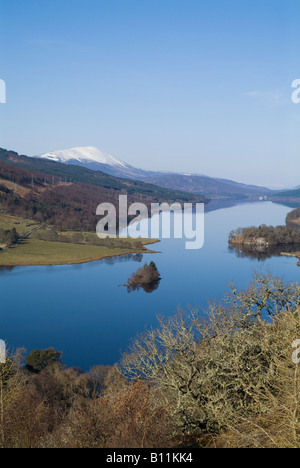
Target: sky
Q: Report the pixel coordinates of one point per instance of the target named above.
(198, 86)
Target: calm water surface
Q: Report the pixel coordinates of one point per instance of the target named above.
(82, 311)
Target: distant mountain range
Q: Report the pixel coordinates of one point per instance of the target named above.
(92, 158)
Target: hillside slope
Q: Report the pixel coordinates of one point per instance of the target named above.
(67, 196)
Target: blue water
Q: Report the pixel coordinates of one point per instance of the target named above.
(82, 311)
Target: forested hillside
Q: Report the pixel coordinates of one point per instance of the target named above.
(67, 196)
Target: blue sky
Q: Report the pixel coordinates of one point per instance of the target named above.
(186, 85)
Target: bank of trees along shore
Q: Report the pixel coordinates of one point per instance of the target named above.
(225, 379)
(269, 235)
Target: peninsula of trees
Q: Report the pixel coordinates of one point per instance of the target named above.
(265, 236)
(268, 236)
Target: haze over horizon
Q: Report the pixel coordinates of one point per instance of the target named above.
(194, 86)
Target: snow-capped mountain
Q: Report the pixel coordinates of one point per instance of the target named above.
(88, 154)
(96, 160)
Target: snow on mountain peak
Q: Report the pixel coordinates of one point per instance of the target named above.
(83, 155)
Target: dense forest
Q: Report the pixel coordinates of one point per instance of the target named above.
(226, 379)
(67, 196)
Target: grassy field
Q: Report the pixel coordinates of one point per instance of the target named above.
(22, 225)
(37, 252)
(34, 251)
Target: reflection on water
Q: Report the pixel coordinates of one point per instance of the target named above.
(6, 269)
(131, 257)
(214, 205)
(148, 288)
(262, 253)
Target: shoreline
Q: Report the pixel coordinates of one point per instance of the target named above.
(87, 260)
(295, 255)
